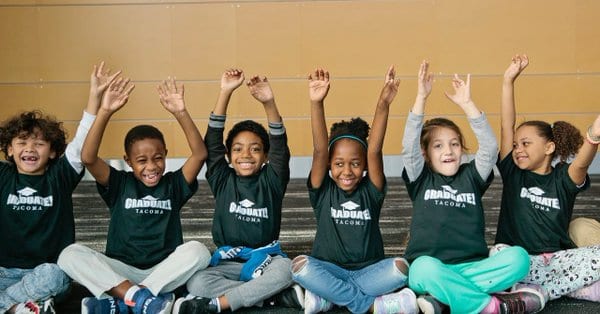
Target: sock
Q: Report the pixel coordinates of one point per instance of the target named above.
(129, 295)
(215, 302)
(493, 307)
(589, 293)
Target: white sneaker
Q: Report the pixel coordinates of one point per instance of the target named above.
(404, 301)
(315, 304)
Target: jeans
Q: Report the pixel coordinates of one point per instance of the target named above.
(355, 289)
(40, 283)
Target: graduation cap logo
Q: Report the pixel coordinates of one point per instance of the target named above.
(350, 205)
(536, 191)
(449, 189)
(246, 203)
(26, 191)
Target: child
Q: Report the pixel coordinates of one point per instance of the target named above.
(145, 256)
(447, 246)
(36, 211)
(537, 199)
(248, 177)
(347, 266)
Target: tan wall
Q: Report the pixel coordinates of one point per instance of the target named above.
(48, 49)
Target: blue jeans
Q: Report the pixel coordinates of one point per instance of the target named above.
(21, 285)
(354, 289)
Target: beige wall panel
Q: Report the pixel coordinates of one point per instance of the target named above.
(268, 38)
(587, 45)
(134, 38)
(362, 38)
(20, 53)
(481, 40)
(65, 101)
(204, 40)
(17, 98)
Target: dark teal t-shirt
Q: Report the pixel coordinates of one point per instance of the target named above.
(145, 223)
(348, 233)
(36, 214)
(448, 221)
(536, 209)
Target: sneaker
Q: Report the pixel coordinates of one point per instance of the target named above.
(292, 297)
(39, 307)
(524, 300)
(315, 304)
(103, 306)
(404, 301)
(538, 288)
(146, 303)
(194, 305)
(430, 305)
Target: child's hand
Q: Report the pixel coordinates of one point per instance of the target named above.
(517, 65)
(232, 79)
(390, 86)
(318, 85)
(171, 96)
(594, 130)
(260, 89)
(100, 79)
(462, 91)
(116, 95)
(424, 81)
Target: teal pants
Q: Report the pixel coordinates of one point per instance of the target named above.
(466, 287)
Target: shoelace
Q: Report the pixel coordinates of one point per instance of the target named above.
(513, 304)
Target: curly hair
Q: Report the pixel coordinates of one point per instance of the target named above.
(356, 128)
(248, 125)
(35, 123)
(141, 132)
(566, 137)
(434, 123)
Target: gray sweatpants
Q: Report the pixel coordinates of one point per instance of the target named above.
(223, 279)
(100, 273)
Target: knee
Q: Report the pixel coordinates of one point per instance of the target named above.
(51, 279)
(401, 265)
(298, 263)
(69, 254)
(197, 253)
(423, 269)
(520, 260)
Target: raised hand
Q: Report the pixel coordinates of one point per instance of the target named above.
(462, 90)
(260, 89)
(517, 65)
(100, 79)
(232, 79)
(424, 81)
(116, 95)
(318, 85)
(390, 86)
(171, 96)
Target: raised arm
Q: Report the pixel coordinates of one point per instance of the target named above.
(279, 154)
(487, 154)
(508, 115)
(411, 145)
(579, 167)
(378, 128)
(318, 87)
(171, 97)
(99, 81)
(115, 96)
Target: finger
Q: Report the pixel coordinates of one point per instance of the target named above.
(112, 77)
(94, 71)
(326, 75)
(130, 89)
(390, 73)
(174, 84)
(264, 79)
(181, 89)
(468, 79)
(100, 67)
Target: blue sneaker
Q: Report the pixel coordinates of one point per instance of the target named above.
(103, 306)
(147, 303)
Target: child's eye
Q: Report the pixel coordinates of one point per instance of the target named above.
(236, 149)
(455, 144)
(339, 164)
(525, 144)
(514, 145)
(256, 149)
(356, 164)
(437, 145)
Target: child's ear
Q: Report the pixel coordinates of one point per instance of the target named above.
(9, 151)
(127, 160)
(52, 155)
(550, 147)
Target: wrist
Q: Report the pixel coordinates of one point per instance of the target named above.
(591, 138)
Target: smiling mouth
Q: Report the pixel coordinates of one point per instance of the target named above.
(246, 165)
(152, 177)
(29, 159)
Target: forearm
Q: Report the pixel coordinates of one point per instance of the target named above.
(319, 128)
(487, 154)
(222, 102)
(379, 127)
(419, 105)
(214, 139)
(91, 146)
(411, 146)
(93, 102)
(279, 154)
(272, 112)
(507, 117)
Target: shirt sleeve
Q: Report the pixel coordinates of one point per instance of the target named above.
(487, 154)
(279, 153)
(411, 146)
(214, 142)
(73, 151)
